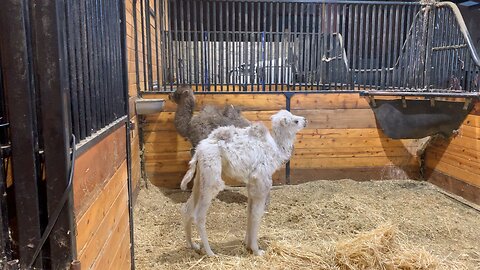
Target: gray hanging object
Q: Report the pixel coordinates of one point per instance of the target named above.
(414, 119)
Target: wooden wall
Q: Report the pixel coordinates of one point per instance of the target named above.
(100, 183)
(341, 140)
(101, 204)
(454, 164)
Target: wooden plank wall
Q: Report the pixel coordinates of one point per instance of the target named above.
(454, 164)
(100, 182)
(101, 204)
(341, 141)
(167, 154)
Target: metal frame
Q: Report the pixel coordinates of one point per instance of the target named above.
(327, 46)
(67, 74)
(15, 50)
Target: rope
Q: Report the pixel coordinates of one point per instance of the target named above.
(58, 209)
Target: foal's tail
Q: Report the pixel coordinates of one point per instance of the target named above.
(190, 173)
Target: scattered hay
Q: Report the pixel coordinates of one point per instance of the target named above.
(342, 225)
(382, 248)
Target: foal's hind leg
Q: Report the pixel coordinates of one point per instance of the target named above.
(209, 191)
(187, 222)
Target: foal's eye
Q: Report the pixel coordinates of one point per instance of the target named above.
(296, 121)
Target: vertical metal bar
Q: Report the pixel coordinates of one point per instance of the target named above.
(361, 33)
(384, 48)
(355, 46)
(371, 76)
(144, 53)
(209, 63)
(389, 64)
(108, 62)
(53, 89)
(446, 39)
(277, 45)
(282, 37)
(295, 32)
(307, 47)
(344, 77)
(15, 53)
(401, 54)
(221, 40)
(85, 65)
(92, 65)
(245, 45)
(253, 61)
(71, 31)
(239, 45)
(157, 54)
(407, 53)
(435, 62)
(175, 9)
(79, 69)
(196, 55)
(215, 64)
(396, 46)
(119, 29)
(379, 35)
(228, 39)
(264, 48)
(183, 43)
(351, 43)
(290, 53)
(124, 85)
(366, 40)
(202, 50)
(171, 47)
(301, 45)
(428, 50)
(232, 19)
(314, 47)
(329, 49)
(338, 51)
(135, 41)
(105, 64)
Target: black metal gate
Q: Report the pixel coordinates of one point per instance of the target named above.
(305, 45)
(62, 76)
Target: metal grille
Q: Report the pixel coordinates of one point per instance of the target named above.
(304, 45)
(95, 64)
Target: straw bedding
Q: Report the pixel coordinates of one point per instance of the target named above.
(318, 225)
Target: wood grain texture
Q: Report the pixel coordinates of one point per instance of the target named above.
(457, 157)
(112, 196)
(454, 185)
(96, 166)
(341, 134)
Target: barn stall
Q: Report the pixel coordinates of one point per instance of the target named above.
(390, 90)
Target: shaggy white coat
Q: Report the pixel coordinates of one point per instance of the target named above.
(250, 155)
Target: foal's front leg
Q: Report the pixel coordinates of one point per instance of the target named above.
(258, 193)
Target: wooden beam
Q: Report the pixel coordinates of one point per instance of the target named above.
(454, 185)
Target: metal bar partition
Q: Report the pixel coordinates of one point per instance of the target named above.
(331, 45)
(63, 75)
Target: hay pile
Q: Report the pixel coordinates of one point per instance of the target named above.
(321, 225)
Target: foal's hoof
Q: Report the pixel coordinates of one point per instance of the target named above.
(211, 254)
(259, 252)
(195, 246)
